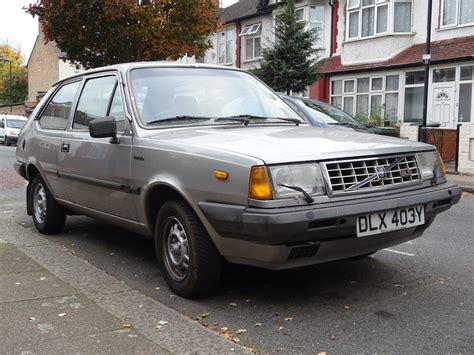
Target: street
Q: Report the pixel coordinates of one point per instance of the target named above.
(411, 298)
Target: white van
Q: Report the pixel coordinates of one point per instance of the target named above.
(10, 127)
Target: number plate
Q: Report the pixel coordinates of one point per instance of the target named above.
(388, 221)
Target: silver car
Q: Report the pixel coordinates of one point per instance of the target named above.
(215, 167)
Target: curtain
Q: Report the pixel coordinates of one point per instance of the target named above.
(368, 19)
(467, 11)
(382, 19)
(354, 24)
(449, 12)
(402, 17)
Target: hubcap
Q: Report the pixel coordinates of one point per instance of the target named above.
(176, 249)
(39, 203)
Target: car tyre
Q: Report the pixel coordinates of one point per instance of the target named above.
(48, 216)
(189, 261)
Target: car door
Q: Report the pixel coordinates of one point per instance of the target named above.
(98, 171)
(49, 127)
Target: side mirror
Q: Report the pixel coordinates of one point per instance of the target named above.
(104, 127)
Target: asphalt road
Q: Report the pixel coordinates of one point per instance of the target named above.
(413, 298)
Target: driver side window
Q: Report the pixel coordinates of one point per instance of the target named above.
(100, 97)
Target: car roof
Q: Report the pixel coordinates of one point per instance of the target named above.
(124, 67)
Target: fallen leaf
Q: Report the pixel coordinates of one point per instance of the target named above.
(158, 327)
(140, 306)
(163, 322)
(347, 307)
(288, 319)
(235, 340)
(224, 329)
(233, 304)
(241, 331)
(31, 318)
(126, 326)
(61, 314)
(258, 324)
(203, 315)
(333, 337)
(280, 328)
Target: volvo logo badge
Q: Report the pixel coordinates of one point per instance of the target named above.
(381, 173)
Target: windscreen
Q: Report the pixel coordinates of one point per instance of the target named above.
(15, 123)
(164, 93)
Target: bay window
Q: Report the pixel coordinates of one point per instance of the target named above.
(313, 17)
(369, 18)
(368, 96)
(457, 13)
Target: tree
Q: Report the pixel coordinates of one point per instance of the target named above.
(290, 64)
(14, 89)
(103, 32)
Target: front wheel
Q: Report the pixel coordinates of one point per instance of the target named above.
(49, 217)
(189, 261)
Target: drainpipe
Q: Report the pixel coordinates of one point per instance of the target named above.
(238, 28)
(426, 61)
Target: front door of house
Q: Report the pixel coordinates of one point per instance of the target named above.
(443, 109)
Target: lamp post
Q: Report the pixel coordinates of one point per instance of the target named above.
(4, 60)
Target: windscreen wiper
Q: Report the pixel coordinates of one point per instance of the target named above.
(307, 196)
(246, 119)
(347, 124)
(179, 118)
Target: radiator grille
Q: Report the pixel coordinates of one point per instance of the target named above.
(344, 174)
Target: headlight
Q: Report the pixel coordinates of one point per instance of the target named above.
(305, 176)
(430, 163)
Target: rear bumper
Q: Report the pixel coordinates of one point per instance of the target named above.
(290, 237)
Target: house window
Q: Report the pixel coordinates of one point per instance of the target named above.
(224, 45)
(414, 89)
(368, 96)
(466, 99)
(457, 12)
(253, 41)
(313, 17)
(369, 18)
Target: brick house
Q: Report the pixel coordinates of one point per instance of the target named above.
(46, 65)
(372, 59)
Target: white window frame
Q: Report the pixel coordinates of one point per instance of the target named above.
(459, 82)
(252, 32)
(456, 23)
(390, 19)
(225, 41)
(306, 19)
(354, 94)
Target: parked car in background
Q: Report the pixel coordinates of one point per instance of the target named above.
(214, 166)
(10, 127)
(320, 114)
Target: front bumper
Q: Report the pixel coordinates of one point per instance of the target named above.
(11, 139)
(266, 237)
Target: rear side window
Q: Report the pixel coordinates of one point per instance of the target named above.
(58, 110)
(95, 101)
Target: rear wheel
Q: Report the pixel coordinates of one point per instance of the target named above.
(49, 217)
(189, 261)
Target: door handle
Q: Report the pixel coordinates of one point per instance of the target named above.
(65, 147)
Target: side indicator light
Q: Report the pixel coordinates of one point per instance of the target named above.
(221, 175)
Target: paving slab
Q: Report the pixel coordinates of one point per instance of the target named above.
(32, 285)
(56, 317)
(123, 341)
(12, 260)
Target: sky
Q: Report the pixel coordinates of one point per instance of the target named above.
(19, 29)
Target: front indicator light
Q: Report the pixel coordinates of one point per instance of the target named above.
(442, 165)
(259, 184)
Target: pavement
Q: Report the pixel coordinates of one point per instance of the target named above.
(54, 302)
(465, 181)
